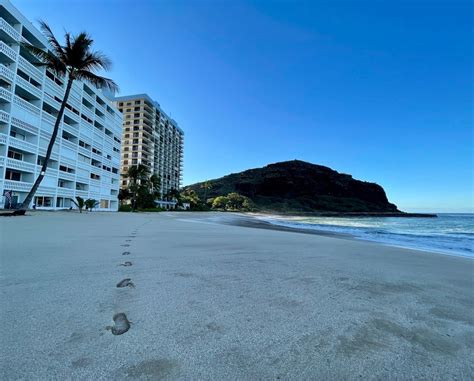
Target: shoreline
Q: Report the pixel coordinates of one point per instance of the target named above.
(345, 235)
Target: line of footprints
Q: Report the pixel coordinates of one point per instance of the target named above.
(121, 322)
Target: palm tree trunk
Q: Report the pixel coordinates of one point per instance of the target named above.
(40, 177)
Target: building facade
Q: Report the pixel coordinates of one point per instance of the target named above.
(86, 156)
(151, 138)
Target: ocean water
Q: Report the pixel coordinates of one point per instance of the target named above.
(448, 233)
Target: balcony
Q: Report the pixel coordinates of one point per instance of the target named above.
(66, 176)
(89, 98)
(26, 105)
(22, 145)
(97, 157)
(65, 192)
(76, 118)
(2, 162)
(27, 86)
(83, 194)
(24, 126)
(20, 165)
(68, 144)
(30, 69)
(3, 139)
(18, 186)
(8, 31)
(6, 74)
(5, 95)
(52, 89)
(47, 117)
(7, 53)
(84, 151)
(4, 117)
(82, 180)
(54, 154)
(71, 129)
(87, 112)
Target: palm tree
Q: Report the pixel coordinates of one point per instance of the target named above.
(90, 204)
(136, 175)
(206, 185)
(74, 60)
(80, 203)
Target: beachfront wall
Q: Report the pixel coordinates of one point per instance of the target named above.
(86, 157)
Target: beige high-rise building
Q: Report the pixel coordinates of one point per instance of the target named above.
(152, 138)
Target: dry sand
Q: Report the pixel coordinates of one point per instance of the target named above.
(215, 301)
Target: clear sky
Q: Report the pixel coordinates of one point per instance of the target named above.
(378, 89)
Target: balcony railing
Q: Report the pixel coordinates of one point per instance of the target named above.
(5, 94)
(87, 112)
(24, 126)
(3, 139)
(7, 51)
(8, 29)
(66, 175)
(28, 87)
(71, 129)
(21, 144)
(6, 73)
(65, 191)
(20, 165)
(19, 186)
(26, 105)
(84, 151)
(72, 115)
(54, 154)
(89, 98)
(4, 116)
(47, 117)
(82, 193)
(68, 144)
(30, 69)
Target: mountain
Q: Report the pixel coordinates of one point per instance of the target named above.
(298, 186)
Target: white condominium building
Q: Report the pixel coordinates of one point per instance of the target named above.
(152, 138)
(86, 156)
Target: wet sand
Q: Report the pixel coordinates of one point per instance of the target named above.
(212, 300)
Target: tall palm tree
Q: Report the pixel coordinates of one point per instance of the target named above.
(206, 185)
(74, 60)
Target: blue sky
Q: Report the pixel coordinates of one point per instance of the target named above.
(378, 89)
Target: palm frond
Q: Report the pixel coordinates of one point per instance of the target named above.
(47, 59)
(97, 80)
(96, 61)
(48, 33)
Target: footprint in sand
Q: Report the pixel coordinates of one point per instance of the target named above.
(126, 264)
(125, 245)
(126, 253)
(121, 324)
(127, 282)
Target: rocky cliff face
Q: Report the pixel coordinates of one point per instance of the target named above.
(298, 186)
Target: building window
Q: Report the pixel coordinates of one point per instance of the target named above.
(12, 175)
(41, 201)
(17, 135)
(15, 155)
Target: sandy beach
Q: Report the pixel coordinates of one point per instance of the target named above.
(216, 298)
